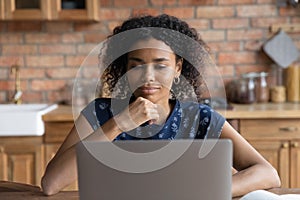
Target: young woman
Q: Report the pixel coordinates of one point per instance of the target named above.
(150, 84)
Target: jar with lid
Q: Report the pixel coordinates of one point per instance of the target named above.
(262, 89)
(246, 89)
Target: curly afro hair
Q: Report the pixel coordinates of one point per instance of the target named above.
(177, 34)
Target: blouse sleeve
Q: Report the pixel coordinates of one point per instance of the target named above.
(210, 123)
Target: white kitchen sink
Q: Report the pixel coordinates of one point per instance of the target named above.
(24, 119)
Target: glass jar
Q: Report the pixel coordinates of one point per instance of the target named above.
(246, 90)
(262, 89)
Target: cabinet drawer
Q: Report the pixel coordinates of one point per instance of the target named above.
(270, 128)
(56, 132)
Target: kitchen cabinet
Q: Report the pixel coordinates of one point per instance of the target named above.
(86, 10)
(278, 141)
(21, 159)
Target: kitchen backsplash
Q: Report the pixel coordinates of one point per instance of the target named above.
(50, 53)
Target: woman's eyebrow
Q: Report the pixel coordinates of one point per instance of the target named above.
(154, 60)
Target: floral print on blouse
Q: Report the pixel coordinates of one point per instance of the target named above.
(188, 120)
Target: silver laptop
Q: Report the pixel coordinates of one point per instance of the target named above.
(155, 170)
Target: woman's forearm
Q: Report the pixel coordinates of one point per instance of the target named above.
(254, 178)
(60, 172)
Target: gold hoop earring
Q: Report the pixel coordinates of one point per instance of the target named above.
(176, 80)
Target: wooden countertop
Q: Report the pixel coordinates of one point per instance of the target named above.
(17, 191)
(239, 111)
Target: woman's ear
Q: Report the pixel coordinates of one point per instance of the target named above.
(179, 63)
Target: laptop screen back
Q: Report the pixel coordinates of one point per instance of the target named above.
(156, 169)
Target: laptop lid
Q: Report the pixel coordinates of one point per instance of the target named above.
(155, 169)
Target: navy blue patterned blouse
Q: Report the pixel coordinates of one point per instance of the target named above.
(188, 120)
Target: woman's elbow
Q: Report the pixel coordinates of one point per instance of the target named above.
(273, 177)
(48, 187)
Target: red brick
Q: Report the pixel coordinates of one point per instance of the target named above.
(4, 73)
(59, 97)
(235, 2)
(11, 38)
(266, 22)
(113, 14)
(59, 27)
(45, 61)
(32, 97)
(226, 70)
(253, 45)
(28, 73)
(295, 19)
(224, 46)
(72, 38)
(39, 38)
(196, 2)
(183, 12)
(237, 58)
(209, 36)
(42, 85)
(230, 23)
(242, 69)
(265, 1)
(94, 37)
(130, 3)
(57, 49)
(215, 12)
(289, 11)
(62, 73)
(85, 48)
(146, 11)
(7, 61)
(3, 97)
(256, 10)
(85, 27)
(10, 85)
(163, 2)
(234, 35)
(200, 24)
(19, 49)
(24, 26)
(105, 3)
(74, 61)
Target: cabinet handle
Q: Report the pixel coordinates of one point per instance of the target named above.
(295, 144)
(285, 145)
(288, 129)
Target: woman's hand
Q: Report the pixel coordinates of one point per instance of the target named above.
(140, 111)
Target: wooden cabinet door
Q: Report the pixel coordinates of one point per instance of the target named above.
(2, 10)
(24, 163)
(295, 164)
(89, 12)
(277, 153)
(27, 10)
(3, 164)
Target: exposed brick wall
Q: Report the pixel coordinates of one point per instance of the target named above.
(50, 53)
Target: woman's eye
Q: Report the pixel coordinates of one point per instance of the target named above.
(136, 66)
(160, 67)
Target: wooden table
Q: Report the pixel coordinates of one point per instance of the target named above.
(17, 191)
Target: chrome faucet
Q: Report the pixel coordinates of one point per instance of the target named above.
(18, 93)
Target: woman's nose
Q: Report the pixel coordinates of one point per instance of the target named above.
(149, 73)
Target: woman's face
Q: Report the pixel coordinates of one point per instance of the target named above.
(151, 71)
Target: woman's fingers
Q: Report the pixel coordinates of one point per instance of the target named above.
(137, 113)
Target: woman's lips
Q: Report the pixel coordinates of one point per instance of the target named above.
(148, 90)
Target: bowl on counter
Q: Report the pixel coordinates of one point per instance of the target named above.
(24, 119)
